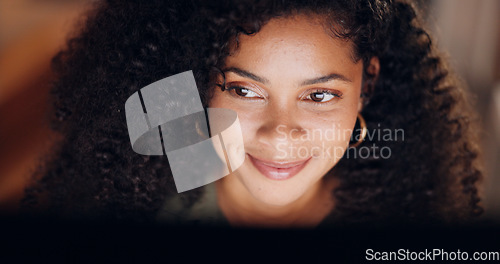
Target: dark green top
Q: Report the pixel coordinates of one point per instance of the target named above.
(205, 212)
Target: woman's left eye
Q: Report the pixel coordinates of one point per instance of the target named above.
(321, 96)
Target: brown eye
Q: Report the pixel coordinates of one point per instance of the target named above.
(243, 92)
(322, 96)
(317, 97)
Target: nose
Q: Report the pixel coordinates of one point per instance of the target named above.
(280, 129)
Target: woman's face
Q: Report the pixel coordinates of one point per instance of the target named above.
(296, 90)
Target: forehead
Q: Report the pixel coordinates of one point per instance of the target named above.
(300, 41)
(301, 29)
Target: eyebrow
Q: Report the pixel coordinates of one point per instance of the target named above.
(322, 79)
(327, 78)
(246, 74)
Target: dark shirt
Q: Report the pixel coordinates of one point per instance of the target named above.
(205, 211)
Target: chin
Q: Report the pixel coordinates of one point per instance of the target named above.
(279, 201)
(271, 197)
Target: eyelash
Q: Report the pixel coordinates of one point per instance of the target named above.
(232, 89)
(336, 94)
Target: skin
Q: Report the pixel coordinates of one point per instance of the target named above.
(277, 70)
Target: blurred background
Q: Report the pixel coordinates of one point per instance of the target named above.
(32, 31)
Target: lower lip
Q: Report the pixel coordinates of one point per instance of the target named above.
(274, 173)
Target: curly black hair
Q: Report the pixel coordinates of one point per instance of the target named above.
(126, 45)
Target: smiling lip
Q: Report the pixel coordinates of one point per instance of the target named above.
(278, 170)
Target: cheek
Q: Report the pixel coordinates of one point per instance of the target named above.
(249, 120)
(329, 133)
(250, 123)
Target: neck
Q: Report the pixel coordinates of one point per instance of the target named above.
(243, 210)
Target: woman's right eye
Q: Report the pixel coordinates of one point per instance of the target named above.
(243, 92)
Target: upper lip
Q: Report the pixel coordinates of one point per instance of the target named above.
(282, 164)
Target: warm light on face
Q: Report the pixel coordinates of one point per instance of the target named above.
(296, 90)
